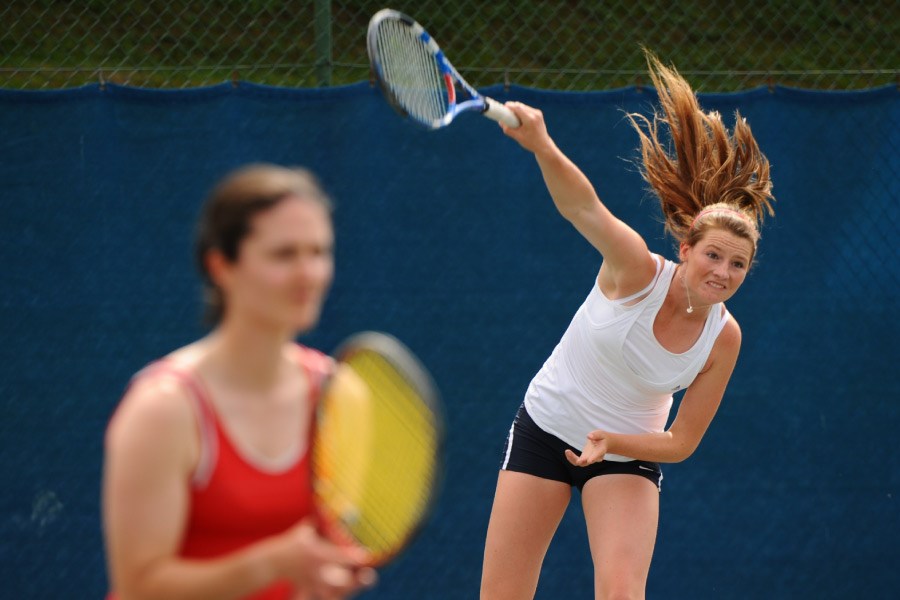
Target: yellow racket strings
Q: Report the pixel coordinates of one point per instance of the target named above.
(377, 456)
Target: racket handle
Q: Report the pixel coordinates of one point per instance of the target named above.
(498, 112)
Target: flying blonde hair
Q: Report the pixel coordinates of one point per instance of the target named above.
(709, 178)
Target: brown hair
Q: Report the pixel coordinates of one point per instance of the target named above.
(229, 209)
(710, 179)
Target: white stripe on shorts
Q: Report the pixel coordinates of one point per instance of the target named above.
(509, 444)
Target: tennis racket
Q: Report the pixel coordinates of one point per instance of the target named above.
(416, 77)
(376, 454)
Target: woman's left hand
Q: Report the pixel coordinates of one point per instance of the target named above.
(594, 450)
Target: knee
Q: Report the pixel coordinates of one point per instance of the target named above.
(621, 589)
(622, 594)
(508, 586)
(498, 592)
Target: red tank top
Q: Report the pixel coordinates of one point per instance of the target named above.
(234, 502)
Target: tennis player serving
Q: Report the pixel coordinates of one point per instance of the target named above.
(594, 416)
(207, 488)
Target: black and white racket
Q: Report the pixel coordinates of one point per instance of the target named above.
(416, 77)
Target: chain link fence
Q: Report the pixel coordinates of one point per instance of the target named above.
(550, 44)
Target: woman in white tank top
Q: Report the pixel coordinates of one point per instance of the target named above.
(648, 327)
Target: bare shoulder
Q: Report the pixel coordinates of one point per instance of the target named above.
(729, 340)
(154, 416)
(297, 354)
(725, 350)
(159, 399)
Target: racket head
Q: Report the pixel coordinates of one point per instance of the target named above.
(412, 72)
(378, 447)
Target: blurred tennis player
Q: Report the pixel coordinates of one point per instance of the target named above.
(206, 487)
(594, 416)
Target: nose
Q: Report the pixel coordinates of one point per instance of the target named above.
(312, 269)
(721, 271)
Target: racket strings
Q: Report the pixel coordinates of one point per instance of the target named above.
(408, 449)
(389, 503)
(398, 396)
(410, 71)
(381, 493)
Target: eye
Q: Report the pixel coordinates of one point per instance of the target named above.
(712, 255)
(738, 264)
(321, 251)
(283, 253)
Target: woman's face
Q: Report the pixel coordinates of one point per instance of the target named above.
(716, 266)
(284, 267)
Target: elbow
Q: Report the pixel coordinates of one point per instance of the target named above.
(131, 592)
(574, 214)
(681, 456)
(683, 451)
(680, 445)
(568, 213)
(136, 586)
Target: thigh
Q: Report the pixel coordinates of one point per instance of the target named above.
(622, 516)
(526, 512)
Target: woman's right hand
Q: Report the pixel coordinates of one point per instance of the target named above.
(318, 567)
(532, 133)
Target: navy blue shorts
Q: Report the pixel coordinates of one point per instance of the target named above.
(530, 449)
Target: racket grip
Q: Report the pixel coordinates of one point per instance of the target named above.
(498, 112)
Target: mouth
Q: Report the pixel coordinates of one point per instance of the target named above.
(715, 285)
(304, 297)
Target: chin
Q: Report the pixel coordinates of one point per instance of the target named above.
(302, 323)
(713, 295)
(723, 297)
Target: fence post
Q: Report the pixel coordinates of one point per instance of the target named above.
(323, 42)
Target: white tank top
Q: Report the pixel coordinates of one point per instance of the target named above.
(610, 372)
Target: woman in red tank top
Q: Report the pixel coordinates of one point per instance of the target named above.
(206, 484)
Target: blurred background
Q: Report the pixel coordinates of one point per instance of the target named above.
(117, 118)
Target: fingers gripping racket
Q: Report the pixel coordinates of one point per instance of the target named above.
(416, 77)
(376, 454)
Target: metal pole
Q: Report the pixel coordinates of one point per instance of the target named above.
(323, 42)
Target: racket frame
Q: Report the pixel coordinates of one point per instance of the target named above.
(476, 103)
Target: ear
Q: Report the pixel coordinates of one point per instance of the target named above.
(219, 268)
(683, 250)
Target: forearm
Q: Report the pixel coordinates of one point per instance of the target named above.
(663, 447)
(570, 189)
(230, 577)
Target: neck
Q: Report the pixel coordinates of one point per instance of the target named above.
(247, 355)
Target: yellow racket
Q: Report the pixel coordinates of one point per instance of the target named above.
(376, 455)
